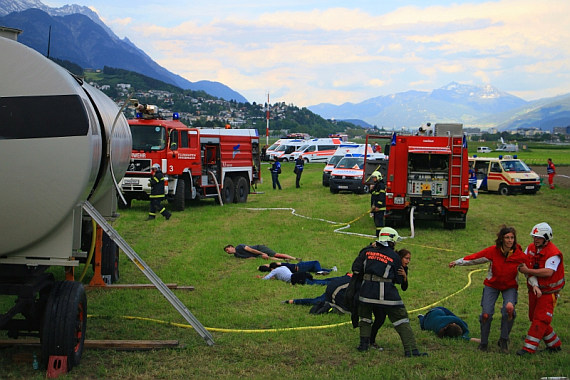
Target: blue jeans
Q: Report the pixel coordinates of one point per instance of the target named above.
(318, 282)
(275, 179)
(311, 266)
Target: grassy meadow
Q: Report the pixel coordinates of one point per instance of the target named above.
(258, 337)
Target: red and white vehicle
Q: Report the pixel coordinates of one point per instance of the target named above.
(426, 176)
(317, 150)
(197, 163)
(348, 174)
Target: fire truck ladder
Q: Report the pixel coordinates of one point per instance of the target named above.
(456, 172)
(166, 292)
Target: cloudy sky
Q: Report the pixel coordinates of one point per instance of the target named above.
(308, 52)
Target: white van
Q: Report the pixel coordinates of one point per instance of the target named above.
(484, 149)
(284, 150)
(341, 151)
(317, 150)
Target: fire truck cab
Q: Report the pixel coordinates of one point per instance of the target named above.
(197, 163)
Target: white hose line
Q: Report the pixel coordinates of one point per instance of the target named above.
(338, 230)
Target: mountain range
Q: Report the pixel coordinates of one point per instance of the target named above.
(474, 106)
(78, 35)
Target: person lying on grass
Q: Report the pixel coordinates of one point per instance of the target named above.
(302, 278)
(243, 251)
(302, 266)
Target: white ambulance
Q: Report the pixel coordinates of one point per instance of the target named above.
(317, 150)
(341, 151)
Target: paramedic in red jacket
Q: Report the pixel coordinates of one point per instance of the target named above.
(504, 259)
(545, 265)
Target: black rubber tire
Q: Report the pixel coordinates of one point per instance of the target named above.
(228, 190)
(109, 258)
(65, 323)
(285, 160)
(503, 189)
(334, 191)
(306, 160)
(241, 191)
(179, 201)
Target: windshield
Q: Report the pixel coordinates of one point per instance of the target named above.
(302, 149)
(351, 163)
(272, 147)
(282, 148)
(515, 166)
(148, 137)
(334, 160)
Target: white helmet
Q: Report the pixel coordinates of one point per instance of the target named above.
(388, 234)
(542, 230)
(156, 167)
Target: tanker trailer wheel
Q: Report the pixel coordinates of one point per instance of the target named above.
(241, 190)
(65, 323)
(503, 189)
(110, 258)
(228, 190)
(180, 196)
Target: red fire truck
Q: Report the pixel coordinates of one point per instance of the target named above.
(197, 163)
(426, 176)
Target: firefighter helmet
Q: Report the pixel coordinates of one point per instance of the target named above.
(376, 174)
(156, 167)
(389, 234)
(542, 230)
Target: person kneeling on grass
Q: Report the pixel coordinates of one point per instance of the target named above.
(331, 300)
(445, 324)
(302, 266)
(243, 251)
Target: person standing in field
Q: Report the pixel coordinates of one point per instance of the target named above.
(406, 257)
(504, 259)
(545, 265)
(551, 171)
(375, 273)
(275, 171)
(157, 193)
(299, 166)
(378, 201)
(472, 182)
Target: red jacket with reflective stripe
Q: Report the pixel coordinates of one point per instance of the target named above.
(555, 282)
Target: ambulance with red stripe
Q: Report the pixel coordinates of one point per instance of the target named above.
(504, 175)
(317, 150)
(341, 151)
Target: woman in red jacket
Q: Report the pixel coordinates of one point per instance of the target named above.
(504, 259)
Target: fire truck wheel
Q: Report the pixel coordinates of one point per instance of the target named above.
(503, 189)
(179, 198)
(110, 258)
(228, 190)
(241, 190)
(65, 323)
(333, 190)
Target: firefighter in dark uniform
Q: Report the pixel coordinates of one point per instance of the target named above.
(157, 193)
(375, 275)
(378, 201)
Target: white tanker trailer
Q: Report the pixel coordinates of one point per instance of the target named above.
(61, 142)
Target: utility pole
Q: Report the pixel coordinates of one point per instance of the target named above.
(267, 125)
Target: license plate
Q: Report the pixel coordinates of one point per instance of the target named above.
(529, 187)
(343, 187)
(131, 181)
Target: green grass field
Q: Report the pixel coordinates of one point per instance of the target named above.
(258, 337)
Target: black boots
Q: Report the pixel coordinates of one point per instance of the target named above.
(415, 352)
(364, 344)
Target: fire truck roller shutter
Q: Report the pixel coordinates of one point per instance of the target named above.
(51, 136)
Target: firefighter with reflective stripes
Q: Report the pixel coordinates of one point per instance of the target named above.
(157, 193)
(546, 267)
(375, 273)
(378, 201)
